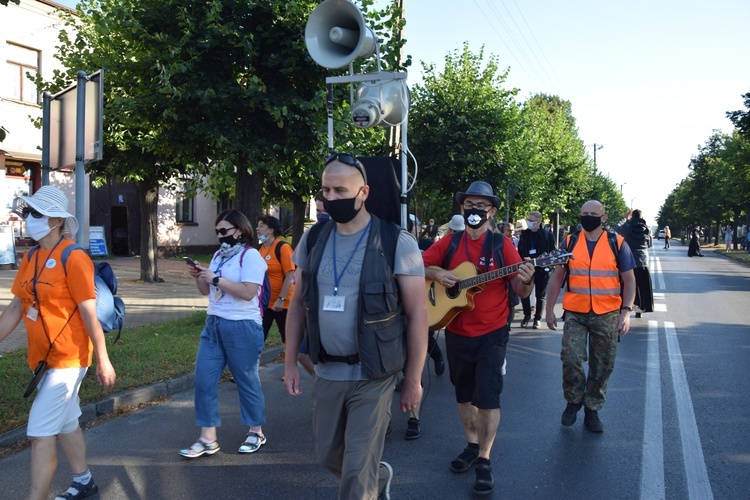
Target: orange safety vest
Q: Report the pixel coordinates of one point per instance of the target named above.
(593, 282)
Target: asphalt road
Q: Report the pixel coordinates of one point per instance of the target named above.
(676, 422)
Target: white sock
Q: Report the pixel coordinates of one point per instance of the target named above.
(83, 477)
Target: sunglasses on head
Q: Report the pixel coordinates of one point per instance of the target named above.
(30, 211)
(347, 159)
(224, 230)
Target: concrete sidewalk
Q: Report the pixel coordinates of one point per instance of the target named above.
(144, 302)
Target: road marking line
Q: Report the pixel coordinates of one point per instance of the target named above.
(660, 307)
(658, 273)
(660, 296)
(652, 466)
(698, 484)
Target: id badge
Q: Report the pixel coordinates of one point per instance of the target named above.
(32, 313)
(333, 303)
(532, 251)
(217, 294)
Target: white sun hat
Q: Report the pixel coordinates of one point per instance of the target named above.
(457, 223)
(52, 202)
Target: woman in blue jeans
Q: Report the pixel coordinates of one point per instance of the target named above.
(233, 334)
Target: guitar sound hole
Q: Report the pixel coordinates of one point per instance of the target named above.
(453, 291)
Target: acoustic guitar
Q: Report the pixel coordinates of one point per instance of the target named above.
(444, 304)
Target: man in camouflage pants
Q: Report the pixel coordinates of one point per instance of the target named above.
(596, 313)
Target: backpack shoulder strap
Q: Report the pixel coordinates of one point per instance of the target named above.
(615, 246)
(32, 251)
(313, 233)
(277, 249)
(455, 241)
(66, 254)
(498, 241)
(242, 254)
(390, 233)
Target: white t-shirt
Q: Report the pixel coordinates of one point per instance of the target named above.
(252, 270)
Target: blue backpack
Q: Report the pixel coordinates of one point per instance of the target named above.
(110, 310)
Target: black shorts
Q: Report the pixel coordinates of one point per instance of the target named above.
(475, 365)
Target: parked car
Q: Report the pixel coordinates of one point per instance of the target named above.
(660, 234)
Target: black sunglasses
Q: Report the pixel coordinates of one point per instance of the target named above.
(348, 160)
(224, 230)
(30, 211)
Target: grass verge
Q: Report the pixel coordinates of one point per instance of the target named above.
(144, 355)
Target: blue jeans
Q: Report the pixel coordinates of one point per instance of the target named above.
(237, 344)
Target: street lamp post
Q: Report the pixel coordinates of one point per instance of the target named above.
(596, 146)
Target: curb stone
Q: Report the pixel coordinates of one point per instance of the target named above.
(131, 397)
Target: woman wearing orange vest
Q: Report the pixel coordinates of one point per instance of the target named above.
(596, 313)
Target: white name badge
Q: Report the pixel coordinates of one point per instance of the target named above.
(532, 251)
(32, 313)
(333, 303)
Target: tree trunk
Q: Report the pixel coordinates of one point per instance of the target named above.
(149, 199)
(298, 219)
(250, 191)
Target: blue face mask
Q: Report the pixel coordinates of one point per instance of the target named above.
(323, 217)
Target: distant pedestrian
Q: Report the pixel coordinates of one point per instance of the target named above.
(533, 242)
(280, 273)
(638, 237)
(233, 334)
(728, 237)
(694, 249)
(58, 306)
(667, 237)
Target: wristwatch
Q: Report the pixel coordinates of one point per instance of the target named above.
(626, 308)
(215, 281)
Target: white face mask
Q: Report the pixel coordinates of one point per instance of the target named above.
(38, 228)
(532, 224)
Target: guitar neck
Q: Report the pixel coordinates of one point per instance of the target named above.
(480, 279)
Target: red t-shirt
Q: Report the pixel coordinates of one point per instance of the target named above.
(491, 304)
(59, 294)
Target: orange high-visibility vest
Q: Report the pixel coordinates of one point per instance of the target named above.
(593, 282)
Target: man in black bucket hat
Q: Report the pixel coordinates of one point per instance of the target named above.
(476, 338)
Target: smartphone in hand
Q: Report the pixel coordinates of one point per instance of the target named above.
(191, 262)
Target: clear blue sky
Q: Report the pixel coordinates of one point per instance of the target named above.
(648, 79)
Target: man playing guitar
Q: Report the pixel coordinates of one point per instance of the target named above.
(476, 338)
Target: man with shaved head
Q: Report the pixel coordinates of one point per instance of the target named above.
(597, 310)
(360, 291)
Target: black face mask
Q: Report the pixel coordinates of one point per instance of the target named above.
(474, 218)
(342, 211)
(590, 222)
(229, 240)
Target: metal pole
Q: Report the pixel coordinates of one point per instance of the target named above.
(594, 154)
(404, 152)
(46, 105)
(82, 237)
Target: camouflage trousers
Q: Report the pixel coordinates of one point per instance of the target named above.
(598, 332)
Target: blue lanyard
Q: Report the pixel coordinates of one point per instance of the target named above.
(336, 276)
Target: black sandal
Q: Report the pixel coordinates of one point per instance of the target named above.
(466, 459)
(413, 429)
(483, 484)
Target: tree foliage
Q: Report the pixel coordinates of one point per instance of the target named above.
(461, 128)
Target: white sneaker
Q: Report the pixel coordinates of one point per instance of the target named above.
(385, 490)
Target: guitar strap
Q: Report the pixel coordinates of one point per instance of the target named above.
(493, 243)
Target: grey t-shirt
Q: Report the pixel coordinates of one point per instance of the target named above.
(338, 328)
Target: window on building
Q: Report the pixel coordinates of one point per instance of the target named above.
(184, 209)
(20, 61)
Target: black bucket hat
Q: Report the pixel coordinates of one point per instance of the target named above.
(479, 188)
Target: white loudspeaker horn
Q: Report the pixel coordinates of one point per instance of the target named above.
(381, 103)
(336, 34)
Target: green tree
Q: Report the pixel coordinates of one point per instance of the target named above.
(554, 171)
(461, 127)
